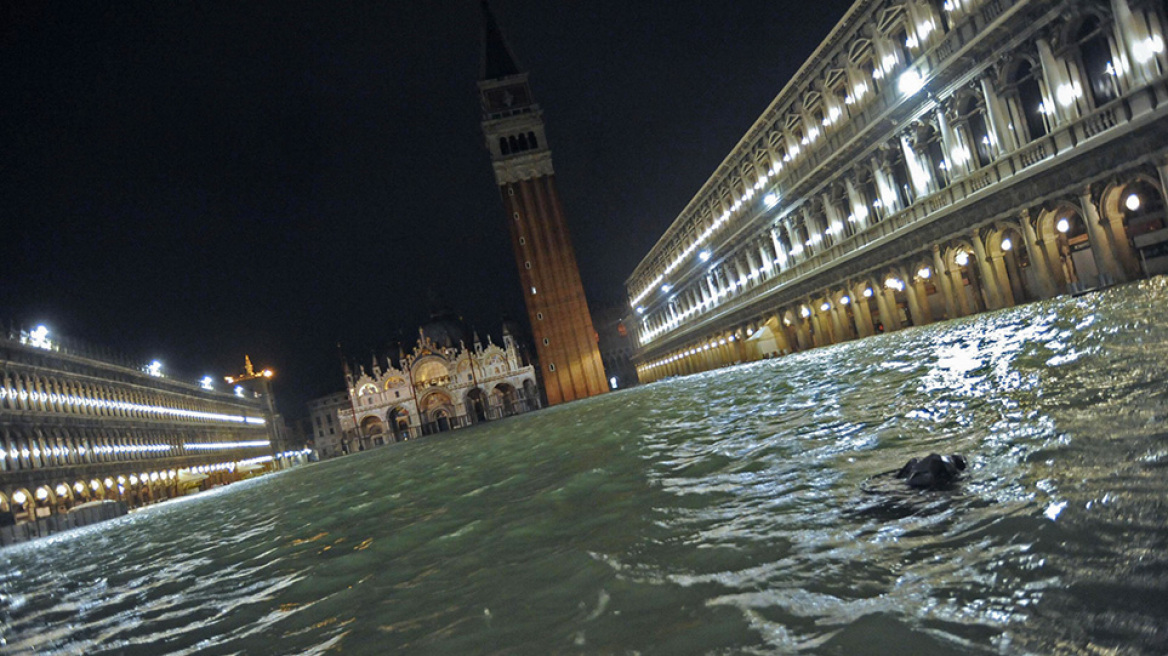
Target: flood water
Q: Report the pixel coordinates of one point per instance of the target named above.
(723, 513)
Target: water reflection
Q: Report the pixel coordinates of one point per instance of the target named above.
(719, 513)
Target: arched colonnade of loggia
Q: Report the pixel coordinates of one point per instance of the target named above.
(1064, 246)
(23, 504)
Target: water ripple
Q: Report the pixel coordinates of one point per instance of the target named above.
(719, 513)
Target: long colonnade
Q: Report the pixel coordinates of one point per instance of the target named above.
(75, 429)
(1019, 154)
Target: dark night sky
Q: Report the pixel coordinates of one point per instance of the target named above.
(195, 181)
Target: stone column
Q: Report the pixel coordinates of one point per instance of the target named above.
(944, 283)
(863, 313)
(1128, 32)
(1054, 75)
(888, 314)
(998, 264)
(914, 292)
(998, 123)
(993, 294)
(802, 334)
(1038, 258)
(1014, 275)
(779, 254)
(1100, 245)
(859, 206)
(950, 140)
(837, 324)
(920, 176)
(886, 186)
(818, 334)
(768, 260)
(750, 262)
(742, 278)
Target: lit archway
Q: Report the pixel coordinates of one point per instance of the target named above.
(1068, 248)
(1132, 211)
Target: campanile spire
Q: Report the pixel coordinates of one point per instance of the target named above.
(565, 339)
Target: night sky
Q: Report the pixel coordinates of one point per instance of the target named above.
(195, 181)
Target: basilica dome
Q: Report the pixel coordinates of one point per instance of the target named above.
(446, 330)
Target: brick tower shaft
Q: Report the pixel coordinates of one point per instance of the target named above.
(565, 339)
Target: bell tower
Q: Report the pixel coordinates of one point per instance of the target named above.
(561, 325)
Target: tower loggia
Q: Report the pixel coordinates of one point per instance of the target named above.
(565, 340)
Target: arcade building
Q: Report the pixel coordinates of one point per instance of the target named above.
(79, 426)
(932, 159)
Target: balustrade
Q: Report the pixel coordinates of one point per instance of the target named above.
(1002, 171)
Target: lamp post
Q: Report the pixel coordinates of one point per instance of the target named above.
(263, 381)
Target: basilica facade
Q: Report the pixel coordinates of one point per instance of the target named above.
(931, 159)
(440, 385)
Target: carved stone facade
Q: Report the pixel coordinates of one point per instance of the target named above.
(435, 388)
(931, 160)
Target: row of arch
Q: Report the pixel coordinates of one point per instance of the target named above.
(1063, 246)
(966, 133)
(518, 143)
(1076, 66)
(33, 391)
(24, 504)
(438, 412)
(29, 447)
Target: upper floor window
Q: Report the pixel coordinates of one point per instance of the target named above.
(1095, 57)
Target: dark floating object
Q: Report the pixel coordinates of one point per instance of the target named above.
(933, 472)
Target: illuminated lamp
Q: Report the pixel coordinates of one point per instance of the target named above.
(1063, 225)
(910, 82)
(1132, 202)
(1007, 244)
